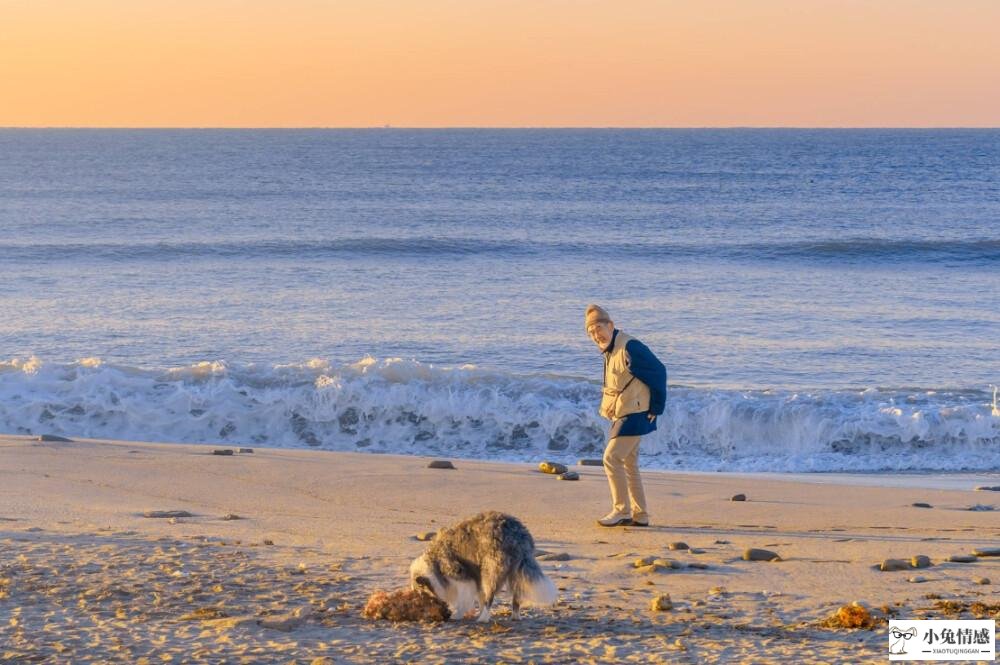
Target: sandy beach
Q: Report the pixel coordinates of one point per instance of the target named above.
(283, 547)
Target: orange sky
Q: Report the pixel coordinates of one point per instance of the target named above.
(499, 63)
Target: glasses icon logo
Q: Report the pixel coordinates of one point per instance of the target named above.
(898, 638)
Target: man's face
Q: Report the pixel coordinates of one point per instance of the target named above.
(601, 332)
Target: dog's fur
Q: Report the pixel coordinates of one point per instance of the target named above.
(472, 560)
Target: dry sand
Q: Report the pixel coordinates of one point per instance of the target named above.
(85, 577)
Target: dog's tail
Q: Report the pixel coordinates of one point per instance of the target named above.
(532, 586)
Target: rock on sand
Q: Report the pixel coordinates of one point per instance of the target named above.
(962, 558)
(166, 514)
(54, 438)
(554, 556)
(756, 554)
(890, 565)
(552, 467)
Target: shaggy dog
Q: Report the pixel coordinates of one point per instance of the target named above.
(472, 560)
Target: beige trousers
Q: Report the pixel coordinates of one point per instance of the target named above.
(621, 464)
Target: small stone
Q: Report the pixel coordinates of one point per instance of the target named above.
(172, 520)
(569, 475)
(661, 603)
(668, 563)
(678, 546)
(554, 556)
(158, 514)
(717, 591)
(222, 451)
(921, 504)
(54, 438)
(981, 508)
(890, 565)
(739, 497)
(987, 551)
(231, 516)
(644, 561)
(244, 451)
(552, 467)
(268, 541)
(917, 579)
(755, 554)
(982, 580)
(962, 558)
(920, 561)
(988, 488)
(680, 645)
(425, 536)
(440, 464)
(591, 462)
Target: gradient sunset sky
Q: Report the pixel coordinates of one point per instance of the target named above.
(500, 63)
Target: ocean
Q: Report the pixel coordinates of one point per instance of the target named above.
(824, 300)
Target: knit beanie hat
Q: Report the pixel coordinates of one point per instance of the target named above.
(595, 314)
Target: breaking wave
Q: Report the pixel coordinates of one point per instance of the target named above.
(406, 407)
(967, 252)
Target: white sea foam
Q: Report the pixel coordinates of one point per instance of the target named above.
(407, 407)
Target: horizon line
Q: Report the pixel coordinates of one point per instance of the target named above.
(498, 127)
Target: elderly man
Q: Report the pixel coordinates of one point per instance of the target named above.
(635, 393)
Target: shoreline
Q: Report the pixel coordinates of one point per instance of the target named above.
(304, 536)
(914, 479)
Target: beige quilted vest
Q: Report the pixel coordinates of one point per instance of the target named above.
(623, 393)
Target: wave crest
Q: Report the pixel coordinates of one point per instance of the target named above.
(968, 251)
(407, 407)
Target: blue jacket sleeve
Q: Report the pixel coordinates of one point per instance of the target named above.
(647, 368)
